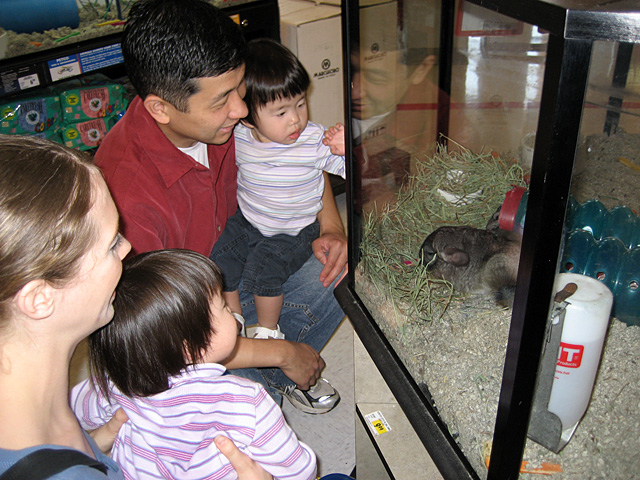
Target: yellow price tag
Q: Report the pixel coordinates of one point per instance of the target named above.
(379, 426)
(378, 422)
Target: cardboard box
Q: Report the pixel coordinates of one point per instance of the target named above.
(286, 7)
(314, 35)
(338, 3)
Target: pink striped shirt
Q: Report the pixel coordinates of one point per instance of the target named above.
(170, 435)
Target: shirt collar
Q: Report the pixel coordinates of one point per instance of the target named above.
(172, 164)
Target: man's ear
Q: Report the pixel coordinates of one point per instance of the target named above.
(157, 108)
(420, 73)
(36, 299)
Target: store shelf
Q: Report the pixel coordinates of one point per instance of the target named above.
(33, 71)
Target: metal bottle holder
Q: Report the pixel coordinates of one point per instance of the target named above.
(575, 334)
(545, 428)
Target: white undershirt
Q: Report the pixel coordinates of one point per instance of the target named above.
(198, 152)
(362, 126)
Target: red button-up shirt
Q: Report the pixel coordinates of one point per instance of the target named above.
(165, 198)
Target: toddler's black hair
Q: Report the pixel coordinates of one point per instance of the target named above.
(272, 72)
(162, 321)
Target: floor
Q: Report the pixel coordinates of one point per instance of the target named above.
(332, 435)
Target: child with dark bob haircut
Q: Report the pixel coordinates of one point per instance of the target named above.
(158, 359)
(281, 159)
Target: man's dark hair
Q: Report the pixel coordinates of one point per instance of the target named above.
(162, 322)
(272, 72)
(168, 44)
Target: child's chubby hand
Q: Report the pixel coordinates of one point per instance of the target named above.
(334, 139)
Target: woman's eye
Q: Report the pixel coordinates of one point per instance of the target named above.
(117, 242)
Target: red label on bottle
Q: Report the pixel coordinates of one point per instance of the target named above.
(570, 355)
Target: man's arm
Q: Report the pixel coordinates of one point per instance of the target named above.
(298, 361)
(331, 247)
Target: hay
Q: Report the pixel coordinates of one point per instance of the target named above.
(475, 186)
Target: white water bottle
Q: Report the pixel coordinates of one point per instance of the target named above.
(583, 333)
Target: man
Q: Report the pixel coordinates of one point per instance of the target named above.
(170, 165)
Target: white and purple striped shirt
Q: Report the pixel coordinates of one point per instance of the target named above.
(170, 435)
(280, 186)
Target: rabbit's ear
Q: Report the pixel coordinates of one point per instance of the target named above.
(455, 257)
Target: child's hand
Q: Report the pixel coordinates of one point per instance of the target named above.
(334, 139)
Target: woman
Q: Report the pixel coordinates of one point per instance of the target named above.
(60, 260)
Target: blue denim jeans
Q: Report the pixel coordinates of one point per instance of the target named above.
(262, 263)
(310, 314)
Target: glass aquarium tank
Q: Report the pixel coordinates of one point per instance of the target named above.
(32, 26)
(494, 264)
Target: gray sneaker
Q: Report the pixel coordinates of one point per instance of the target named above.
(320, 398)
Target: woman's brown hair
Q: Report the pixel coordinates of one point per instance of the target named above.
(46, 192)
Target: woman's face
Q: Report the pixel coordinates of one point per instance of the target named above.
(89, 296)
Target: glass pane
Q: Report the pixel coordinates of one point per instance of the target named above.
(452, 335)
(453, 344)
(497, 84)
(601, 255)
(394, 93)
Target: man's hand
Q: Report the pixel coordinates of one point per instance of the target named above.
(302, 364)
(244, 466)
(298, 361)
(331, 250)
(105, 435)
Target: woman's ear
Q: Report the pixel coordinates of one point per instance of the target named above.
(36, 299)
(157, 108)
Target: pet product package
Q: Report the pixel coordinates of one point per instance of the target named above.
(81, 104)
(88, 134)
(32, 115)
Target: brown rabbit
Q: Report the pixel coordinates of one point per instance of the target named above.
(475, 260)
